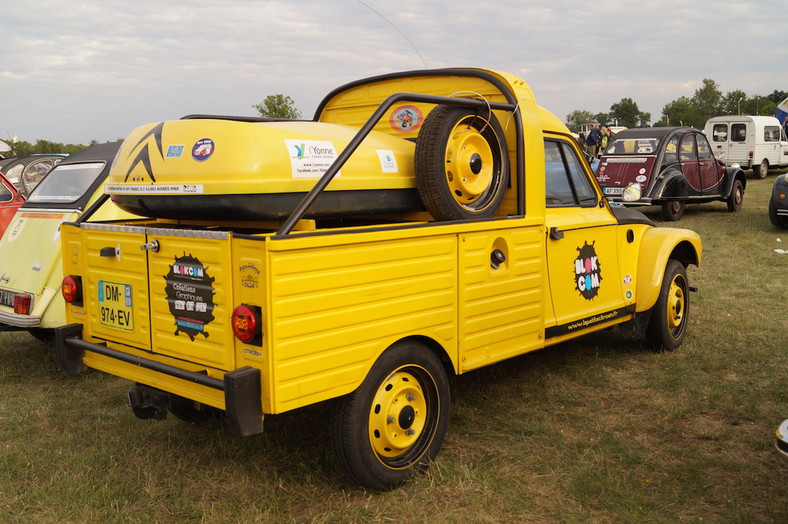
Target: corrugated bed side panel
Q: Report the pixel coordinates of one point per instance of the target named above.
(335, 309)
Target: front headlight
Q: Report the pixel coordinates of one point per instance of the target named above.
(632, 192)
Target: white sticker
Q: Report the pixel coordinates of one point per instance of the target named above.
(388, 162)
(642, 171)
(640, 178)
(155, 188)
(310, 158)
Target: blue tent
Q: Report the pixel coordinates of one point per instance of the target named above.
(782, 111)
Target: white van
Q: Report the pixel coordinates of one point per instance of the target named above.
(754, 142)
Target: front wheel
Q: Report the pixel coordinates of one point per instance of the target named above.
(669, 316)
(673, 210)
(762, 170)
(736, 198)
(394, 423)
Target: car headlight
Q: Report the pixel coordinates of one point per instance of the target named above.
(632, 192)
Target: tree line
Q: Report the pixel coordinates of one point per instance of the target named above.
(21, 148)
(273, 106)
(707, 101)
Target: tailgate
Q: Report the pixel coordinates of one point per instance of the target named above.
(116, 287)
(190, 289)
(169, 299)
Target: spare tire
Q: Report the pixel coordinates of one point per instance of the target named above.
(461, 163)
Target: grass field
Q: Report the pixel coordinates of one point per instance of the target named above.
(597, 430)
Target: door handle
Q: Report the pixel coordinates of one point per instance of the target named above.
(556, 234)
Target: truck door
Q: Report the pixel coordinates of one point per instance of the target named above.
(688, 158)
(710, 174)
(581, 247)
(738, 150)
(771, 137)
(719, 140)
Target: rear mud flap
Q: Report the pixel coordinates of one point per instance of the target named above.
(69, 358)
(242, 401)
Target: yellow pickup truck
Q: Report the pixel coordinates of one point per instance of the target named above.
(423, 224)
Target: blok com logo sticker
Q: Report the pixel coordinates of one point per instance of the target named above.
(190, 292)
(587, 272)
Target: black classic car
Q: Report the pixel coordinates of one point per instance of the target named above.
(667, 166)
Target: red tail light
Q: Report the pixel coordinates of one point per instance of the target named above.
(246, 323)
(71, 288)
(22, 304)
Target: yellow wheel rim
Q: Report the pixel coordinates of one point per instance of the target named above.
(676, 306)
(469, 164)
(398, 414)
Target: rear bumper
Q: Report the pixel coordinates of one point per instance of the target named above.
(241, 387)
(19, 321)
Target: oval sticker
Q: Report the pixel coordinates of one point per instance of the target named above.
(202, 149)
(406, 118)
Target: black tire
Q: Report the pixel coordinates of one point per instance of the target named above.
(736, 198)
(461, 162)
(762, 170)
(780, 222)
(669, 316)
(190, 410)
(673, 210)
(393, 425)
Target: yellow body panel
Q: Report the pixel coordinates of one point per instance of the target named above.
(656, 247)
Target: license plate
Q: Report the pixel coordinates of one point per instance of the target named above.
(115, 305)
(614, 190)
(7, 297)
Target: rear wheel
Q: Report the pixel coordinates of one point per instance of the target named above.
(762, 170)
(669, 316)
(461, 162)
(673, 210)
(394, 423)
(736, 198)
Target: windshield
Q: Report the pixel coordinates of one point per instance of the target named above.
(66, 183)
(632, 146)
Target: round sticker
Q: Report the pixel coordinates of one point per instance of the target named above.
(642, 171)
(640, 178)
(406, 118)
(202, 150)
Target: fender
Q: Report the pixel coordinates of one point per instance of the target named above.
(731, 175)
(671, 184)
(657, 247)
(780, 186)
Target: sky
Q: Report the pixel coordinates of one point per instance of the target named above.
(74, 71)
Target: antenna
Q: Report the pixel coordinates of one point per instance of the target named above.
(397, 28)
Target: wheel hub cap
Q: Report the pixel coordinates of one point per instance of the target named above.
(398, 415)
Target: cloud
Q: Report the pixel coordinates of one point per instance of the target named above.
(72, 72)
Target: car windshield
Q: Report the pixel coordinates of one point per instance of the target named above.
(66, 183)
(632, 146)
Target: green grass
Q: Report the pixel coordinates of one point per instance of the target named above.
(596, 430)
